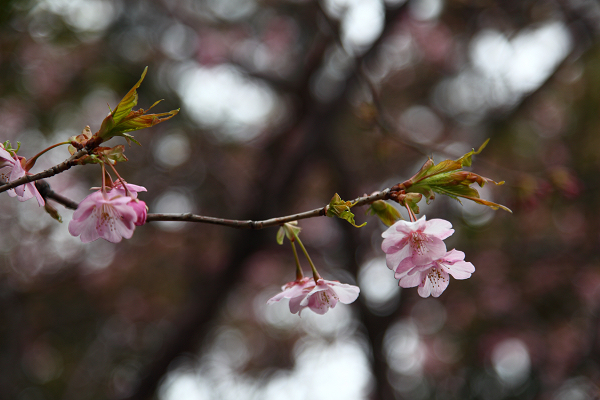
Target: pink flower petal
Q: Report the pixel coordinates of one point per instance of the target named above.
(460, 269)
(408, 281)
(88, 231)
(37, 194)
(396, 257)
(425, 251)
(319, 287)
(346, 293)
(295, 307)
(454, 264)
(5, 155)
(439, 280)
(425, 290)
(321, 301)
(141, 211)
(5, 173)
(439, 228)
(406, 227)
(293, 289)
(405, 267)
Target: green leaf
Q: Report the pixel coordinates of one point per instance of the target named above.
(8, 147)
(448, 178)
(430, 169)
(466, 161)
(128, 102)
(124, 119)
(280, 235)
(341, 209)
(52, 212)
(130, 139)
(386, 212)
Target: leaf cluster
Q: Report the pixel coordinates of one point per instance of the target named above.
(448, 178)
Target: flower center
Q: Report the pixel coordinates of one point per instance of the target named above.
(324, 297)
(435, 276)
(105, 217)
(417, 242)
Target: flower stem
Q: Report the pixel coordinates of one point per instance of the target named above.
(121, 179)
(299, 273)
(411, 214)
(312, 265)
(31, 162)
(103, 180)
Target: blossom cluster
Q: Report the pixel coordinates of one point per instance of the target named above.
(416, 252)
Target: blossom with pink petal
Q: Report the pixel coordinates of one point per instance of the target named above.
(110, 216)
(419, 242)
(433, 278)
(11, 169)
(319, 296)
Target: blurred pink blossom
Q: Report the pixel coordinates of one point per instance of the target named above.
(416, 243)
(12, 169)
(318, 297)
(433, 278)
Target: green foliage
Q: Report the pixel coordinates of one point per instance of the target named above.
(124, 119)
(448, 178)
(8, 147)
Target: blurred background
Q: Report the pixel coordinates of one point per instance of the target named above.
(283, 104)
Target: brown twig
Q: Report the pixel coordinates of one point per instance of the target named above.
(47, 193)
(267, 223)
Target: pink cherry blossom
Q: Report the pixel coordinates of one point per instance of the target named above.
(419, 242)
(110, 216)
(12, 169)
(319, 297)
(433, 278)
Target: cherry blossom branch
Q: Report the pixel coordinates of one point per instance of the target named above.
(47, 192)
(267, 223)
(57, 169)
